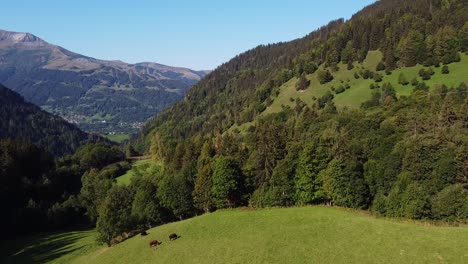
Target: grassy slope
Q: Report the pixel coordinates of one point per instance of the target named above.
(49, 247)
(359, 91)
(137, 167)
(292, 235)
(118, 138)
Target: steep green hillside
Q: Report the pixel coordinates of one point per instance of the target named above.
(359, 90)
(294, 235)
(25, 121)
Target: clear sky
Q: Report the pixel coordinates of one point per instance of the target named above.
(196, 34)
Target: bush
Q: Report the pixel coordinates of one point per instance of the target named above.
(377, 77)
(421, 87)
(425, 75)
(379, 204)
(402, 79)
(414, 82)
(445, 69)
(340, 89)
(380, 66)
(366, 74)
(356, 76)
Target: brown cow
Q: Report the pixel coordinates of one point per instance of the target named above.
(173, 236)
(154, 243)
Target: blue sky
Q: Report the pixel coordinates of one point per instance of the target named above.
(196, 34)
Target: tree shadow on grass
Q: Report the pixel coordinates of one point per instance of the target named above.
(41, 248)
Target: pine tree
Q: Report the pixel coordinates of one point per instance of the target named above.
(202, 191)
(307, 185)
(302, 83)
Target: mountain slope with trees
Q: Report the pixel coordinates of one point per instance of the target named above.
(396, 154)
(24, 121)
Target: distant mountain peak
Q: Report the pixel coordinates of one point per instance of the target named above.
(27, 39)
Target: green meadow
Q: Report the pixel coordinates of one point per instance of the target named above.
(291, 235)
(360, 91)
(138, 167)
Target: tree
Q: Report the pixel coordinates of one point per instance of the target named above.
(451, 203)
(202, 190)
(446, 46)
(412, 49)
(175, 194)
(344, 184)
(390, 64)
(115, 214)
(146, 206)
(308, 187)
(157, 148)
(226, 188)
(94, 191)
(302, 83)
(347, 53)
(324, 76)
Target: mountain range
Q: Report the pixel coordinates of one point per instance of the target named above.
(97, 95)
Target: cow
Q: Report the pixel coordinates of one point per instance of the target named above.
(154, 243)
(144, 233)
(173, 236)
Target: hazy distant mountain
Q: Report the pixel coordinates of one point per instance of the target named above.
(98, 95)
(22, 120)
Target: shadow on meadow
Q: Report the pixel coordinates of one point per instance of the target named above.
(41, 248)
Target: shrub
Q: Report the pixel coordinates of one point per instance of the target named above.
(445, 69)
(324, 76)
(380, 66)
(402, 79)
(425, 75)
(340, 89)
(377, 77)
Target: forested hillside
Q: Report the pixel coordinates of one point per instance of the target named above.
(24, 121)
(406, 32)
(402, 151)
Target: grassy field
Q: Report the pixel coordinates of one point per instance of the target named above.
(62, 247)
(360, 91)
(292, 235)
(118, 138)
(139, 166)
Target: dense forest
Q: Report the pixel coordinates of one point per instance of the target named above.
(39, 192)
(25, 121)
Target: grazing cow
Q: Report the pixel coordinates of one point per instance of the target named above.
(154, 243)
(143, 233)
(173, 236)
